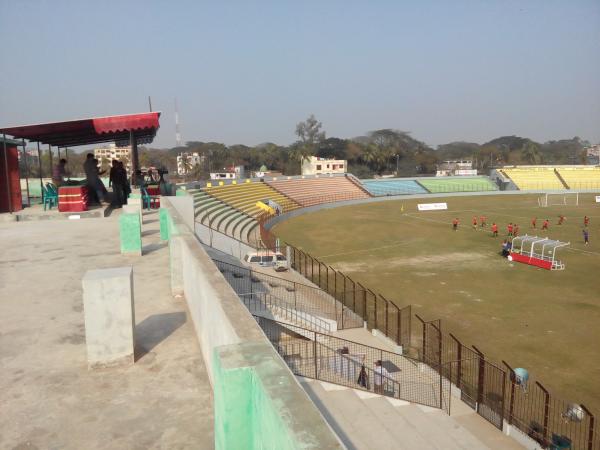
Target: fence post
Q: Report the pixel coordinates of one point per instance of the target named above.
(481, 377)
(353, 295)
(424, 338)
(251, 283)
(399, 326)
(459, 358)
(320, 275)
(315, 355)
(375, 297)
(546, 409)
(591, 429)
(511, 404)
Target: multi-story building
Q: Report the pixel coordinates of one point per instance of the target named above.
(110, 152)
(186, 161)
(314, 165)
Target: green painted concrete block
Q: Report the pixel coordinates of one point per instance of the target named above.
(163, 217)
(130, 230)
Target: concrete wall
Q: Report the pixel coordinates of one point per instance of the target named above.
(222, 242)
(259, 404)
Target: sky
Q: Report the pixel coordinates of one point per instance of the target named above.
(248, 72)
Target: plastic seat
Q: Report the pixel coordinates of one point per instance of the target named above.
(50, 196)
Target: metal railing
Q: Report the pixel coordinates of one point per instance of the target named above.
(327, 358)
(261, 301)
(302, 297)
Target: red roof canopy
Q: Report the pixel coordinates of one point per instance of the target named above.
(90, 131)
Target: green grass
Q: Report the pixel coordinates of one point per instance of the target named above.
(547, 322)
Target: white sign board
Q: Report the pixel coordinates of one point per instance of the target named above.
(597, 198)
(432, 206)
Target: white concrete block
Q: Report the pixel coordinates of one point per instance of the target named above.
(109, 316)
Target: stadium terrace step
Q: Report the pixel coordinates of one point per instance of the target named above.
(314, 191)
(392, 186)
(364, 420)
(533, 178)
(457, 184)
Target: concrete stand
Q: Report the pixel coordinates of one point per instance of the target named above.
(109, 316)
(130, 229)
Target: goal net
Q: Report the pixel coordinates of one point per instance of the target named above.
(562, 199)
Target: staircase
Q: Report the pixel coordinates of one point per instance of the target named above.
(364, 420)
(562, 180)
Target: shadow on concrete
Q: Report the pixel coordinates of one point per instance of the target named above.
(147, 249)
(149, 232)
(154, 329)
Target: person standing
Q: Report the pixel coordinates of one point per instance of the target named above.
(483, 222)
(586, 236)
(455, 223)
(494, 230)
(561, 219)
(381, 374)
(586, 221)
(117, 180)
(516, 230)
(92, 176)
(545, 225)
(58, 173)
(509, 228)
(534, 223)
(474, 223)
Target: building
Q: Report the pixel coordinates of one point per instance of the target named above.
(316, 166)
(593, 154)
(186, 161)
(107, 154)
(229, 173)
(455, 168)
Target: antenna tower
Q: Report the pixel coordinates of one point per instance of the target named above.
(177, 132)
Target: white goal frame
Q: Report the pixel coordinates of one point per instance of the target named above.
(559, 199)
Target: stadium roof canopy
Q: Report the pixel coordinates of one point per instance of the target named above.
(90, 131)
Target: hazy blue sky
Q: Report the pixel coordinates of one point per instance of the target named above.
(247, 72)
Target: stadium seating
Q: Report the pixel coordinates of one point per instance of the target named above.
(314, 191)
(244, 196)
(392, 186)
(533, 178)
(457, 184)
(580, 177)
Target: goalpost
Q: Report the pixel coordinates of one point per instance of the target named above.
(559, 199)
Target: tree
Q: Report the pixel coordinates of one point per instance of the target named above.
(310, 135)
(530, 152)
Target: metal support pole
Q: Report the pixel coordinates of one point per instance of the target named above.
(459, 358)
(50, 159)
(591, 428)
(481, 378)
(40, 167)
(511, 404)
(546, 409)
(8, 190)
(26, 172)
(67, 153)
(315, 355)
(135, 160)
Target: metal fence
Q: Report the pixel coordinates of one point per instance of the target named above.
(498, 396)
(323, 357)
(301, 297)
(377, 311)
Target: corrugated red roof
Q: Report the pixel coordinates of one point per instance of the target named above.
(89, 131)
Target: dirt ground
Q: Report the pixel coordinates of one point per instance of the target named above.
(545, 321)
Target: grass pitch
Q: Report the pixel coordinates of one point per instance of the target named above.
(545, 321)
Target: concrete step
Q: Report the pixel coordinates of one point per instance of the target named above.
(340, 425)
(460, 434)
(404, 433)
(431, 426)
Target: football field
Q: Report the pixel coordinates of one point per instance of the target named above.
(545, 321)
